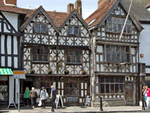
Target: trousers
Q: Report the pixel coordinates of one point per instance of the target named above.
(33, 101)
(148, 102)
(53, 104)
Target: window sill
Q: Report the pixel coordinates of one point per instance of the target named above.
(40, 62)
(71, 63)
(74, 35)
(117, 62)
(41, 33)
(118, 33)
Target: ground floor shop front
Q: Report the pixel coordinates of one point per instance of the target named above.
(116, 90)
(72, 89)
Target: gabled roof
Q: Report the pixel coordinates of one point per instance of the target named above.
(102, 13)
(12, 9)
(139, 9)
(74, 12)
(35, 12)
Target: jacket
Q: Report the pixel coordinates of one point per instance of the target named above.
(27, 93)
(43, 95)
(33, 93)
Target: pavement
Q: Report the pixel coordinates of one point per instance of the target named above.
(76, 109)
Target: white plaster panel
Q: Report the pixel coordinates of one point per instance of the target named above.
(133, 59)
(58, 85)
(82, 93)
(54, 84)
(97, 58)
(12, 18)
(44, 68)
(27, 66)
(2, 44)
(133, 51)
(15, 45)
(85, 92)
(101, 58)
(97, 67)
(7, 28)
(15, 62)
(81, 85)
(2, 61)
(62, 92)
(100, 49)
(9, 62)
(59, 92)
(97, 90)
(9, 46)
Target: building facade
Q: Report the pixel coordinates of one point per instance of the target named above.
(57, 52)
(10, 52)
(115, 58)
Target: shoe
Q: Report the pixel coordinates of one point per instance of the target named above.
(33, 107)
(53, 110)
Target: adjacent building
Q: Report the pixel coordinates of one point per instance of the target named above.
(115, 59)
(10, 52)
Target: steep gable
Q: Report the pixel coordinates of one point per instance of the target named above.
(43, 18)
(102, 13)
(6, 27)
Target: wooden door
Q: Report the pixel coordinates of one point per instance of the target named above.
(129, 93)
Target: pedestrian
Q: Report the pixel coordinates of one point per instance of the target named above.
(145, 94)
(53, 97)
(33, 95)
(43, 97)
(27, 95)
(148, 98)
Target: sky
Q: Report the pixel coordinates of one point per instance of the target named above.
(88, 6)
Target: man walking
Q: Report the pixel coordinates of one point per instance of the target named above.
(53, 97)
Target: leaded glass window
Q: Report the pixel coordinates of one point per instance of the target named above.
(40, 28)
(115, 24)
(111, 84)
(117, 53)
(73, 56)
(74, 31)
(40, 54)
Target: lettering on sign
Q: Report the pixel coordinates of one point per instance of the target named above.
(72, 99)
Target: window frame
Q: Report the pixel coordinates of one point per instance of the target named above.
(73, 63)
(120, 53)
(37, 49)
(73, 34)
(110, 84)
(112, 23)
(40, 24)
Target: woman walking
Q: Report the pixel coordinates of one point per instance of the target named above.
(27, 95)
(33, 96)
(43, 96)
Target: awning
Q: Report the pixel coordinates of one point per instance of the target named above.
(6, 71)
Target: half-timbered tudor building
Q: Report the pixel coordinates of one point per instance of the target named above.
(56, 50)
(115, 70)
(10, 52)
(141, 10)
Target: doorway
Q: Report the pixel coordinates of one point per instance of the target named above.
(129, 93)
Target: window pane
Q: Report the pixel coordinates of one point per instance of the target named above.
(68, 58)
(70, 30)
(108, 56)
(37, 28)
(102, 88)
(127, 49)
(121, 88)
(107, 88)
(111, 79)
(107, 79)
(76, 31)
(117, 48)
(39, 57)
(102, 79)
(120, 79)
(34, 57)
(109, 27)
(107, 48)
(45, 57)
(118, 57)
(43, 29)
(113, 48)
(116, 88)
(112, 88)
(128, 57)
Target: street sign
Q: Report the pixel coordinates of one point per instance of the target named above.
(19, 74)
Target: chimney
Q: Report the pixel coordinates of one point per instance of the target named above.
(101, 2)
(78, 6)
(10, 2)
(70, 8)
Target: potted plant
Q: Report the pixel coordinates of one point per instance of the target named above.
(32, 71)
(49, 71)
(66, 72)
(83, 72)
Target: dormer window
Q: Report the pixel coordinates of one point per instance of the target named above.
(73, 30)
(40, 28)
(115, 24)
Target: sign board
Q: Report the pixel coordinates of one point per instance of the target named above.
(72, 99)
(59, 100)
(87, 101)
(19, 74)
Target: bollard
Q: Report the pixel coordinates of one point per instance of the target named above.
(101, 109)
(143, 102)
